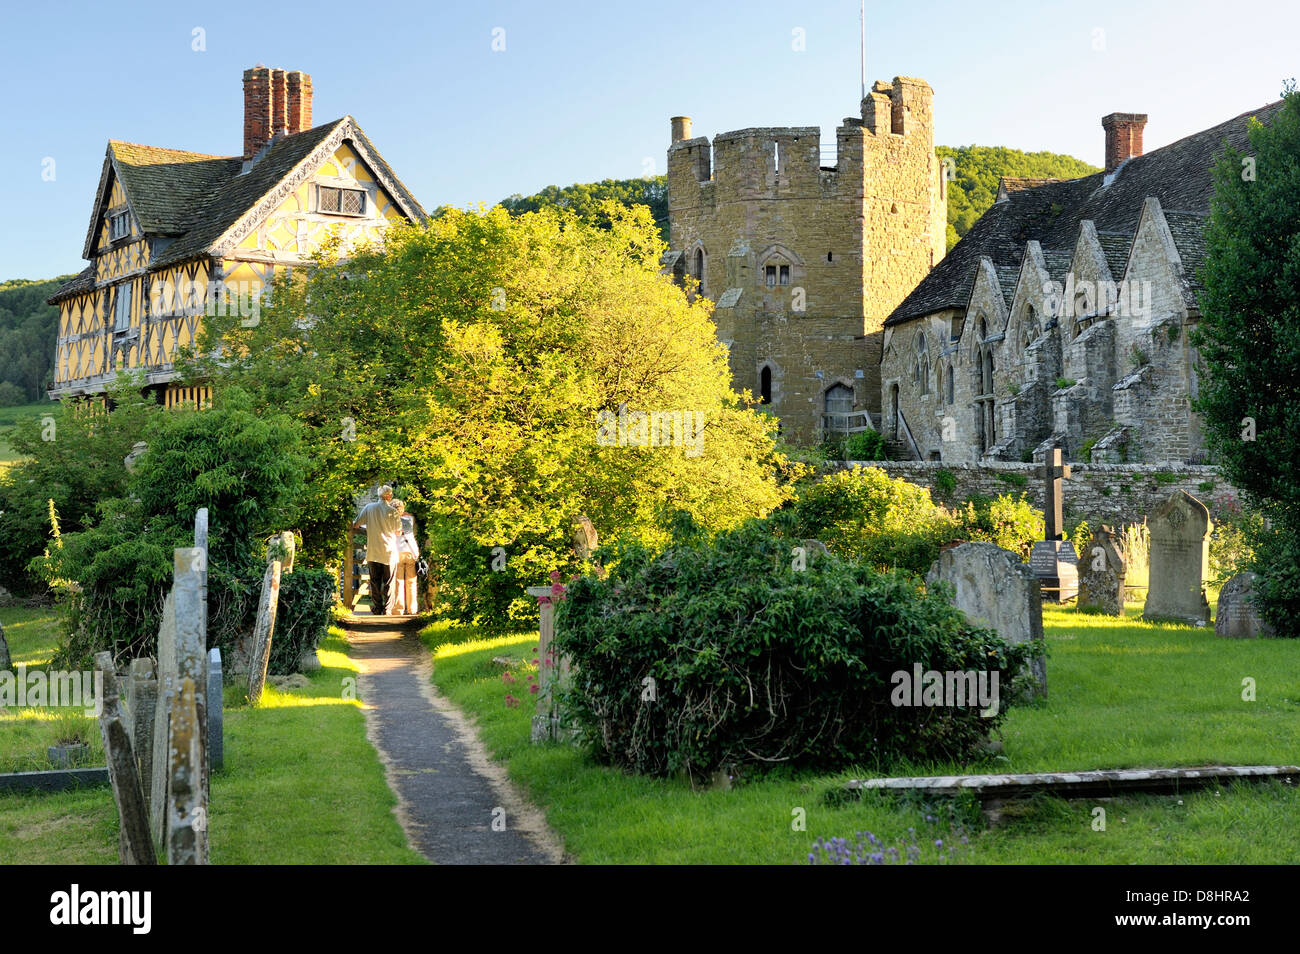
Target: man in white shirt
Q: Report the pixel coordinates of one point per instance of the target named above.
(383, 528)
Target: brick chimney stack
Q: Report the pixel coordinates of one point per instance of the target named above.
(274, 101)
(1123, 137)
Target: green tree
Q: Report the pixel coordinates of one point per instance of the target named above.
(28, 329)
(1250, 396)
(977, 169)
(72, 454)
(585, 199)
(245, 467)
(469, 363)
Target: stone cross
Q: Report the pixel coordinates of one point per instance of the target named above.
(1053, 472)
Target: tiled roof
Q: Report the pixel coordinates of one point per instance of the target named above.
(239, 193)
(1178, 175)
(83, 282)
(196, 199)
(167, 188)
(1115, 246)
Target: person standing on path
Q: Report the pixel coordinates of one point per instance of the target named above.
(401, 596)
(383, 527)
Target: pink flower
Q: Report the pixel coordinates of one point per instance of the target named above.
(511, 701)
(543, 601)
(555, 576)
(533, 688)
(507, 678)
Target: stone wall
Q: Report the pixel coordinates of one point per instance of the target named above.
(1116, 494)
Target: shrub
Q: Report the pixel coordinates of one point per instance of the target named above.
(1065, 383)
(11, 395)
(864, 445)
(244, 467)
(303, 616)
(1012, 523)
(756, 663)
(1015, 480)
(945, 482)
(1233, 539)
(864, 514)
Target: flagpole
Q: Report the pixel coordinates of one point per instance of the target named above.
(862, 25)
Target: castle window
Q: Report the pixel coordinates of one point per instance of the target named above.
(122, 308)
(119, 226)
(769, 274)
(948, 384)
(699, 268)
(341, 201)
(785, 274)
(776, 157)
(830, 257)
(765, 386)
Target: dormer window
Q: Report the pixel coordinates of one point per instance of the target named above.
(119, 226)
(337, 201)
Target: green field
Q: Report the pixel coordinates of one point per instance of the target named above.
(301, 783)
(1122, 693)
(9, 417)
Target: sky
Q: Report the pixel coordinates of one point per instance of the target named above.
(580, 91)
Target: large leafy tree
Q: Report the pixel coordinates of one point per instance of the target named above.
(467, 362)
(28, 328)
(585, 199)
(1250, 397)
(977, 169)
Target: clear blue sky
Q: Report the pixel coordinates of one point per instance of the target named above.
(584, 90)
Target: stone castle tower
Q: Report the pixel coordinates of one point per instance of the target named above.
(806, 261)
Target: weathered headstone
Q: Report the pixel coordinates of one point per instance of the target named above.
(1180, 557)
(216, 713)
(1238, 617)
(5, 661)
(994, 589)
(263, 632)
(143, 709)
(180, 656)
(135, 846)
(1101, 575)
(1053, 560)
(187, 809)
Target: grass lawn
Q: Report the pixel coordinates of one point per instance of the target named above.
(9, 416)
(1121, 693)
(301, 783)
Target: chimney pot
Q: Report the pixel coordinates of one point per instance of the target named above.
(1123, 137)
(681, 128)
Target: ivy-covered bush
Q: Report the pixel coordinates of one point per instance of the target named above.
(721, 652)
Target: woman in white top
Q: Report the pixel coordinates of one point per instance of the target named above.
(401, 594)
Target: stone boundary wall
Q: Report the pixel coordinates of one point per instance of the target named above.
(1117, 494)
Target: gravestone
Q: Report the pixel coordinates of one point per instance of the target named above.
(1053, 560)
(187, 809)
(180, 657)
(135, 845)
(1101, 575)
(5, 661)
(1237, 616)
(994, 589)
(142, 703)
(263, 632)
(216, 728)
(1180, 558)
